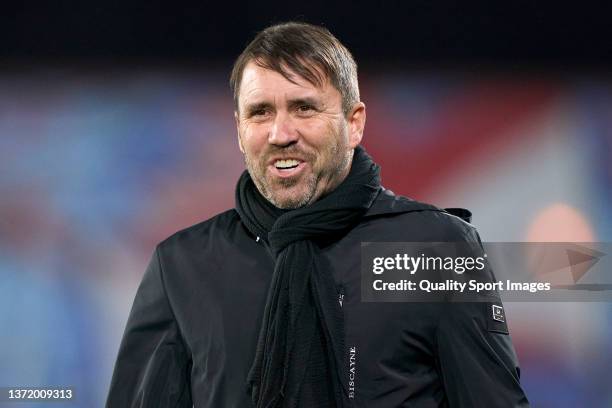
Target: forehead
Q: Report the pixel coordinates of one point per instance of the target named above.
(262, 83)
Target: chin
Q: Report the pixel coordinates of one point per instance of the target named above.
(289, 203)
(295, 195)
(289, 200)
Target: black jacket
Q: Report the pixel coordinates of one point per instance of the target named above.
(192, 331)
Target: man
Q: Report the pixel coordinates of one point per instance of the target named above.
(260, 306)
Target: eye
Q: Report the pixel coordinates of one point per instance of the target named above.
(258, 113)
(305, 109)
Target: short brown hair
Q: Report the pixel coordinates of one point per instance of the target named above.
(305, 49)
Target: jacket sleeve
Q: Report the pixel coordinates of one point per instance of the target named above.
(476, 358)
(152, 367)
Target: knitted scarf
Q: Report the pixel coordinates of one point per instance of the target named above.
(300, 348)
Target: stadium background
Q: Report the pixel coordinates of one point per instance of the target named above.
(116, 130)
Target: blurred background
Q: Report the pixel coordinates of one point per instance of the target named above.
(116, 130)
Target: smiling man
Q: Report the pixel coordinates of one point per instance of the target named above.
(297, 133)
(260, 306)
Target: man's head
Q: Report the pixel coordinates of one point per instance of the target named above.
(297, 111)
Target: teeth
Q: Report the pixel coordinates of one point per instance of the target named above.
(285, 164)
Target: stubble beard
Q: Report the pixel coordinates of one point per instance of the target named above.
(257, 170)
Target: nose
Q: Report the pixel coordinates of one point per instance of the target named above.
(283, 131)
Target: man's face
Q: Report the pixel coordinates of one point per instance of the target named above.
(297, 142)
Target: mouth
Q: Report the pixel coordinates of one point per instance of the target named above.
(286, 164)
(285, 168)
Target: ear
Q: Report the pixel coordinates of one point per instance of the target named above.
(356, 122)
(237, 120)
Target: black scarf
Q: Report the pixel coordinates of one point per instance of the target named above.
(300, 349)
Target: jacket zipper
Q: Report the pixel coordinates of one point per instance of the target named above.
(340, 290)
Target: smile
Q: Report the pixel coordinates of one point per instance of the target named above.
(286, 164)
(286, 168)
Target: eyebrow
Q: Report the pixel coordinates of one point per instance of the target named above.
(292, 103)
(254, 107)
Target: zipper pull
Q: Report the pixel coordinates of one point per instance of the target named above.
(340, 295)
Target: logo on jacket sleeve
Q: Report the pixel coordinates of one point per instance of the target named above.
(498, 313)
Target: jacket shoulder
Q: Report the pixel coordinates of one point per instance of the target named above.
(442, 225)
(221, 224)
(421, 220)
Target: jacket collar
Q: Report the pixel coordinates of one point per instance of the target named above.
(388, 203)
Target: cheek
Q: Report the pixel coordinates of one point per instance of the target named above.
(319, 132)
(254, 138)
(335, 137)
